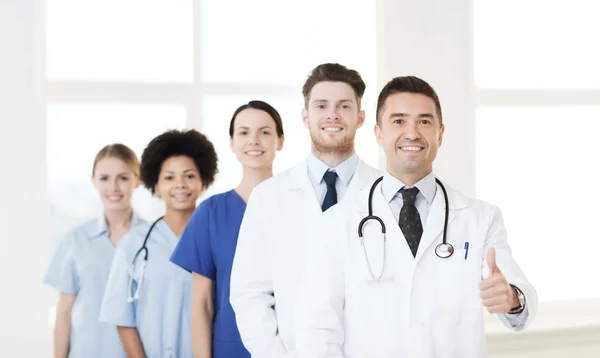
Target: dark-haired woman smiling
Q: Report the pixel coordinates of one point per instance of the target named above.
(208, 244)
(147, 297)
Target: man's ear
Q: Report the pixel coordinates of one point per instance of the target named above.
(441, 137)
(378, 135)
(305, 117)
(361, 118)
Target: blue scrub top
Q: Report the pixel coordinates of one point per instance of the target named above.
(80, 267)
(207, 247)
(162, 314)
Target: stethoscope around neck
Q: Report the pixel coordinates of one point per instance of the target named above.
(442, 250)
(136, 295)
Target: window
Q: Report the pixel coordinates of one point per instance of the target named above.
(548, 44)
(543, 180)
(126, 70)
(537, 115)
(119, 40)
(280, 46)
(76, 132)
(254, 47)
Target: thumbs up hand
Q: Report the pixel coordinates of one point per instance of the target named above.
(497, 295)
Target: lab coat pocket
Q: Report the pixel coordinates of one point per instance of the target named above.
(458, 279)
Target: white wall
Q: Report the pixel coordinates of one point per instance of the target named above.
(431, 39)
(25, 248)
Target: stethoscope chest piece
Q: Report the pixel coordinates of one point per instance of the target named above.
(444, 250)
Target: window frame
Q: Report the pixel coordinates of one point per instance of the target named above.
(553, 316)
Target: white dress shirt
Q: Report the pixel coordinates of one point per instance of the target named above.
(390, 187)
(345, 170)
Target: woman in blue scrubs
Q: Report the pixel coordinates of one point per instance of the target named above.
(80, 266)
(208, 244)
(147, 297)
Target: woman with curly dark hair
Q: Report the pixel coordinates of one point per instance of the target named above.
(208, 244)
(147, 297)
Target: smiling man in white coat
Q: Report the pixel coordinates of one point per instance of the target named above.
(417, 290)
(283, 213)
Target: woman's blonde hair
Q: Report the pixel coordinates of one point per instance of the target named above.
(119, 151)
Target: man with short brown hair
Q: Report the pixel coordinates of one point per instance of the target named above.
(284, 211)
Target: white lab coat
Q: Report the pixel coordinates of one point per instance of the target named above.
(426, 307)
(282, 215)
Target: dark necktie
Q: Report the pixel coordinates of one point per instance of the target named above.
(331, 195)
(410, 221)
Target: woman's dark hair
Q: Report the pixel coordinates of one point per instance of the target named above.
(261, 106)
(189, 143)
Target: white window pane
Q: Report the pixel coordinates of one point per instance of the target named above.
(75, 133)
(217, 112)
(349, 37)
(119, 40)
(279, 42)
(532, 44)
(540, 166)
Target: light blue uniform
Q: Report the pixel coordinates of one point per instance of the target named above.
(80, 267)
(162, 314)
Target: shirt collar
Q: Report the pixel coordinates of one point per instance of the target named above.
(391, 185)
(345, 170)
(102, 226)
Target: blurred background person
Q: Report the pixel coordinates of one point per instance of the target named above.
(147, 297)
(80, 266)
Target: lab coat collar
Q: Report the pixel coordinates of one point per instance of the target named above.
(298, 176)
(299, 182)
(345, 170)
(432, 232)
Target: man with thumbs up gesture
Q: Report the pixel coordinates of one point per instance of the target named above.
(497, 294)
(420, 290)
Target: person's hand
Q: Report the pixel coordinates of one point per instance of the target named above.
(497, 295)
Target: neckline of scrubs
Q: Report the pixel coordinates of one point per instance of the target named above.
(105, 231)
(237, 195)
(170, 231)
